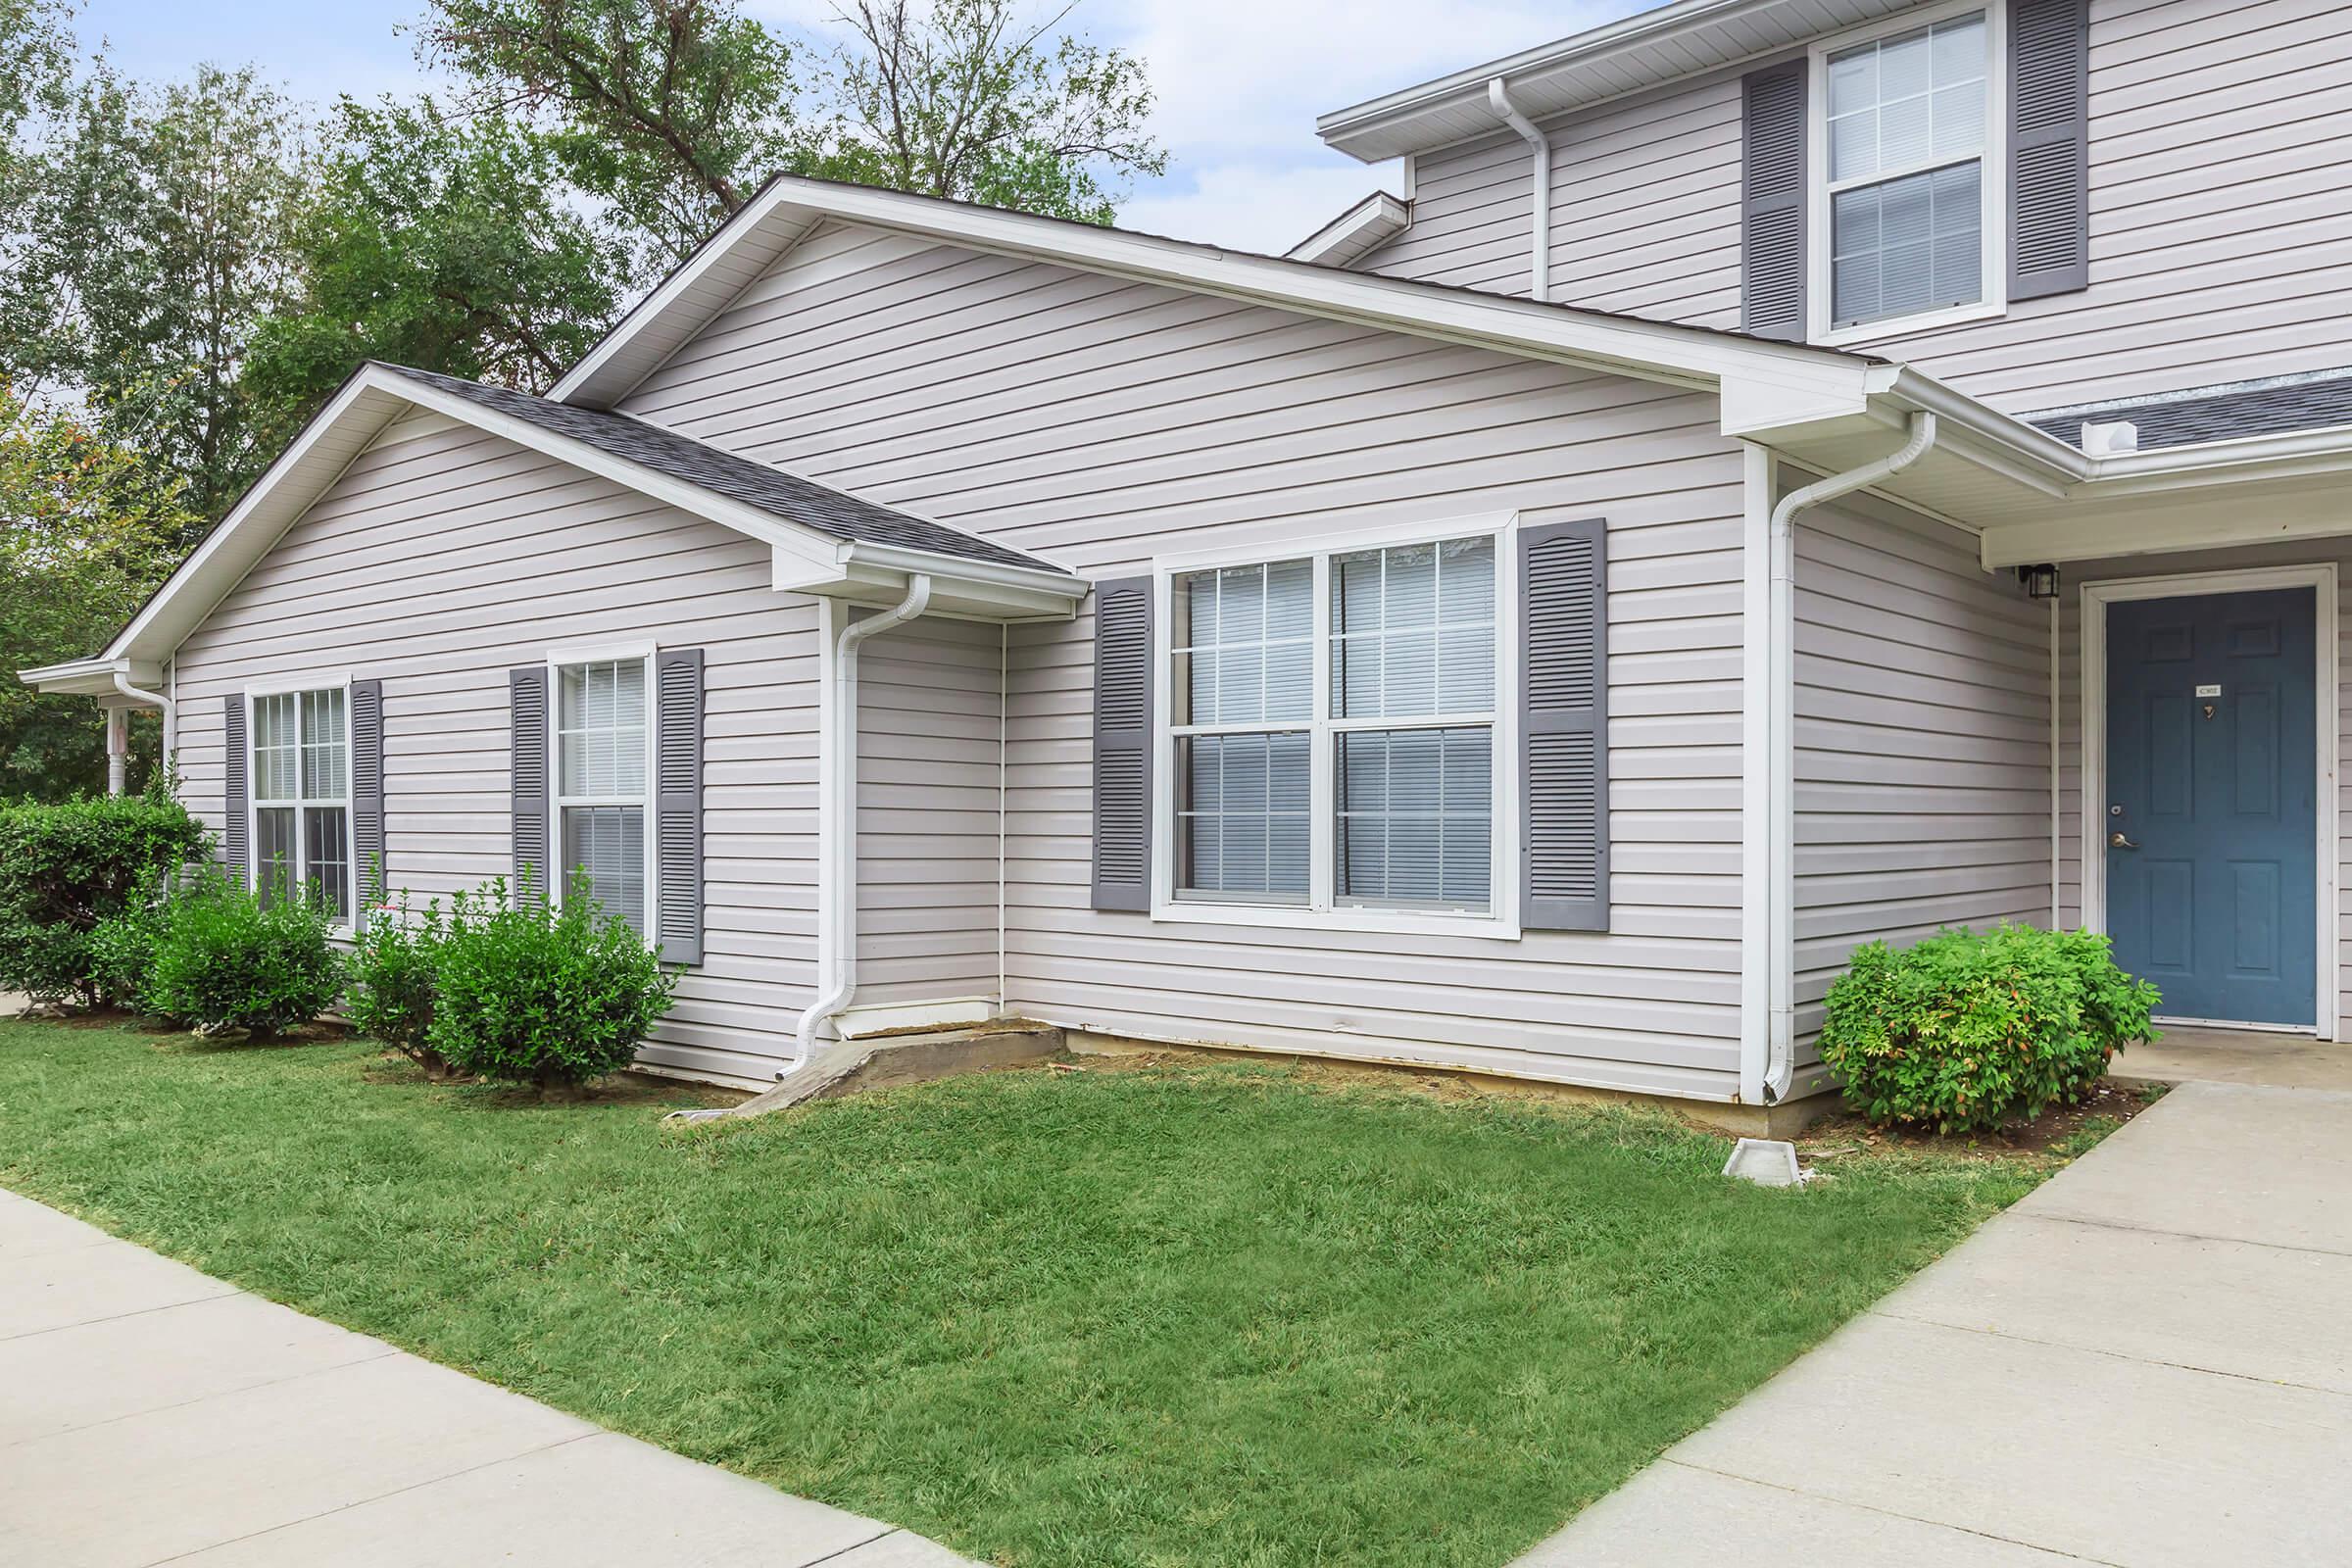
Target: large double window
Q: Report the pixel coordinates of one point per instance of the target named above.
(1333, 732)
(602, 763)
(301, 771)
(1907, 188)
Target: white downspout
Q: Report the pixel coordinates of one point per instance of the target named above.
(2057, 847)
(156, 700)
(837, 813)
(1781, 694)
(1538, 269)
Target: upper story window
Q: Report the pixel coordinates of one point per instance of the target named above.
(603, 762)
(1333, 730)
(301, 771)
(1907, 187)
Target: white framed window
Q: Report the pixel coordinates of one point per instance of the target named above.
(299, 762)
(1908, 207)
(1334, 744)
(602, 718)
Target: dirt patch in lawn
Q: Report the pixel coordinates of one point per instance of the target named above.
(2061, 1132)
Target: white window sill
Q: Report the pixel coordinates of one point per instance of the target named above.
(1290, 918)
(1907, 325)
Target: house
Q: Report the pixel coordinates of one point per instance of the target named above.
(1780, 476)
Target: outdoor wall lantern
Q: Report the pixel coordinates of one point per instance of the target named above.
(2042, 582)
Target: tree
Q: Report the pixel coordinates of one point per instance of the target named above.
(86, 532)
(159, 240)
(964, 101)
(438, 242)
(672, 112)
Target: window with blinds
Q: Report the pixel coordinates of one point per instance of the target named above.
(299, 773)
(602, 764)
(1905, 163)
(1333, 729)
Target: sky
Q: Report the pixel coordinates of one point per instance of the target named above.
(1240, 82)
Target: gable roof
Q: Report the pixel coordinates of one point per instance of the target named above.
(1356, 232)
(1762, 381)
(788, 497)
(824, 540)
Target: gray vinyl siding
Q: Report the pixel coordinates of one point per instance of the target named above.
(1923, 744)
(2220, 228)
(1101, 422)
(930, 780)
(2070, 710)
(437, 564)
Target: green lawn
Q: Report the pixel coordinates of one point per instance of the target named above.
(1204, 1315)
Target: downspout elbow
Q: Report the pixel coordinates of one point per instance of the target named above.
(160, 702)
(839, 775)
(1499, 99)
(1780, 1030)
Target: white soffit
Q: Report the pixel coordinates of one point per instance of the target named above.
(1352, 235)
(1645, 50)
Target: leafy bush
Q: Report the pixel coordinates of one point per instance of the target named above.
(122, 954)
(393, 979)
(226, 959)
(66, 868)
(539, 995)
(1967, 1030)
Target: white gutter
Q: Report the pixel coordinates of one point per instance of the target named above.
(837, 815)
(1538, 269)
(1780, 695)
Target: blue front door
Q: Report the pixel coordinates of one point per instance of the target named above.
(2212, 885)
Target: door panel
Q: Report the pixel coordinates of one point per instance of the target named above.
(2211, 733)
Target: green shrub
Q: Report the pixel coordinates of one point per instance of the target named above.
(1967, 1030)
(540, 995)
(65, 868)
(122, 954)
(226, 959)
(393, 966)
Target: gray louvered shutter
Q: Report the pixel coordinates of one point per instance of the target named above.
(678, 802)
(1123, 744)
(233, 845)
(1563, 726)
(2049, 147)
(1771, 207)
(526, 703)
(368, 794)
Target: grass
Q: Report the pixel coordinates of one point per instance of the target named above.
(1200, 1316)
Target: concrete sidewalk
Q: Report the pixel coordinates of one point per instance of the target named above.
(150, 1414)
(2148, 1362)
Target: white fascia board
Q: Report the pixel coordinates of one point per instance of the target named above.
(91, 677)
(1342, 126)
(1346, 238)
(1783, 376)
(962, 590)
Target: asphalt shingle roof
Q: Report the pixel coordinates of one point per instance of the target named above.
(834, 512)
(2215, 414)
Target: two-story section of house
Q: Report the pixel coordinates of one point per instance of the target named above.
(1785, 473)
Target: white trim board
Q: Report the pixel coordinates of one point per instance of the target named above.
(2321, 578)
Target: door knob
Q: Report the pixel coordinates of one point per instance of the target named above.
(2119, 841)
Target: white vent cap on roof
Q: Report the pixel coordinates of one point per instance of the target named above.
(2105, 440)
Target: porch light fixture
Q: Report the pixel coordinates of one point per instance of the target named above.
(2042, 582)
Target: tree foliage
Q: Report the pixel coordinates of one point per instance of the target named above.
(964, 100)
(672, 112)
(435, 241)
(90, 528)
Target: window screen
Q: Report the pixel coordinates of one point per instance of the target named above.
(601, 742)
(1906, 145)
